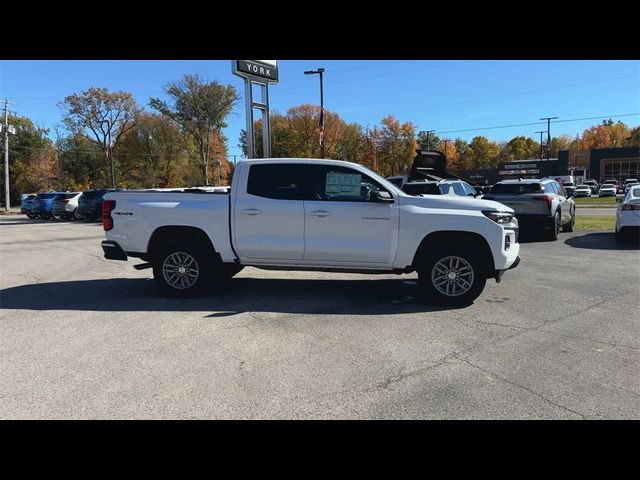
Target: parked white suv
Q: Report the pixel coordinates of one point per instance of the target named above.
(303, 214)
(538, 204)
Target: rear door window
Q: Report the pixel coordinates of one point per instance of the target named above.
(279, 181)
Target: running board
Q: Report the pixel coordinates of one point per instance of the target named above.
(142, 266)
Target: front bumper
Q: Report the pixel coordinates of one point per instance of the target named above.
(113, 251)
(499, 273)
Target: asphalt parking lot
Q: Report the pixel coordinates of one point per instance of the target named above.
(84, 337)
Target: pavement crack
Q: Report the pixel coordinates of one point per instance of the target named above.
(533, 392)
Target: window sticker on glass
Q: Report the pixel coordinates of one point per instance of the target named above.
(343, 184)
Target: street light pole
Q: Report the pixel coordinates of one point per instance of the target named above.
(320, 71)
(7, 202)
(548, 119)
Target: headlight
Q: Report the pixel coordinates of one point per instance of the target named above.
(498, 217)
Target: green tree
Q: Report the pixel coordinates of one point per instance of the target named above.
(200, 109)
(486, 154)
(32, 165)
(427, 140)
(101, 116)
(521, 148)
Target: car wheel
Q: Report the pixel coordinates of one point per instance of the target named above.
(76, 215)
(452, 276)
(183, 268)
(555, 230)
(31, 215)
(569, 226)
(618, 237)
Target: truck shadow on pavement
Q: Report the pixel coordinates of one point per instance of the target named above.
(601, 241)
(243, 294)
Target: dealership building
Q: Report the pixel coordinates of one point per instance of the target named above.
(598, 164)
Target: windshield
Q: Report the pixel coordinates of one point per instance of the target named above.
(47, 195)
(606, 185)
(516, 188)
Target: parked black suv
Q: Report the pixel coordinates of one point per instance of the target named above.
(90, 203)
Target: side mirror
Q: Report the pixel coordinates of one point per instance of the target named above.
(619, 199)
(381, 197)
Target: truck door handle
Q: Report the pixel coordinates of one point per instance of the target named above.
(320, 213)
(251, 211)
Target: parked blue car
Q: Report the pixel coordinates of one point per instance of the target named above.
(43, 203)
(26, 204)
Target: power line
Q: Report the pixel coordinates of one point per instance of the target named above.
(430, 67)
(536, 123)
(508, 95)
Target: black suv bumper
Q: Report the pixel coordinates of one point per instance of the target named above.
(113, 251)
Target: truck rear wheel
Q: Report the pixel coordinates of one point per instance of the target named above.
(183, 268)
(452, 275)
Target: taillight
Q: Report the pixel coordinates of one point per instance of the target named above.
(65, 201)
(544, 198)
(107, 208)
(631, 206)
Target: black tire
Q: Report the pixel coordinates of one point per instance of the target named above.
(618, 237)
(553, 233)
(76, 215)
(197, 262)
(31, 215)
(428, 275)
(569, 226)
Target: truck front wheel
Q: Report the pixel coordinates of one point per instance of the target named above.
(182, 268)
(452, 276)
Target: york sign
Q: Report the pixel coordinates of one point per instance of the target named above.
(260, 69)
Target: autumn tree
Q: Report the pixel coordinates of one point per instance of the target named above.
(103, 117)
(606, 135)
(633, 140)
(486, 154)
(200, 109)
(397, 146)
(448, 148)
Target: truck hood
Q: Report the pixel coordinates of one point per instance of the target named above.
(456, 203)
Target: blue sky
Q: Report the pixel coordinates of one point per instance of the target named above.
(433, 94)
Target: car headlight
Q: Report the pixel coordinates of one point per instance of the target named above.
(498, 217)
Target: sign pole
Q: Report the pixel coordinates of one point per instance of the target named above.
(260, 72)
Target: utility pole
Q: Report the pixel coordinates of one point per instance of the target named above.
(548, 119)
(540, 132)
(446, 142)
(320, 71)
(7, 130)
(429, 132)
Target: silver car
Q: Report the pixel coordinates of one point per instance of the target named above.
(541, 205)
(582, 191)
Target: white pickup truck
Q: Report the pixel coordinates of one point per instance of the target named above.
(320, 215)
